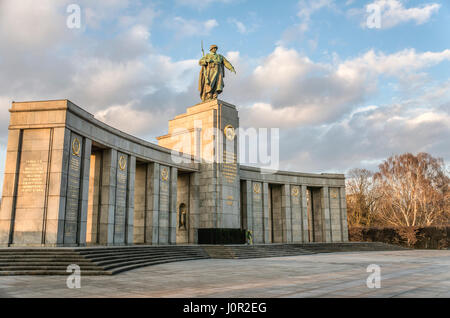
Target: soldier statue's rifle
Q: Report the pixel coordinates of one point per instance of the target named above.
(204, 67)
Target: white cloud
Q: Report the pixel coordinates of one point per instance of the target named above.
(175, 75)
(265, 115)
(396, 64)
(145, 17)
(143, 121)
(201, 4)
(99, 11)
(308, 8)
(184, 27)
(31, 24)
(301, 92)
(247, 27)
(281, 68)
(103, 81)
(393, 12)
(363, 138)
(239, 25)
(5, 104)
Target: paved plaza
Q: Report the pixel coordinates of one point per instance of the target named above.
(410, 273)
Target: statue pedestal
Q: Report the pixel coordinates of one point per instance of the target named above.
(207, 131)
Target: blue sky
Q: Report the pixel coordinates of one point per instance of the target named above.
(344, 95)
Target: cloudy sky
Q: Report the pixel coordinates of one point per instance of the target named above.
(344, 93)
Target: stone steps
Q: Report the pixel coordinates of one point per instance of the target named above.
(92, 261)
(253, 251)
(219, 251)
(283, 250)
(47, 267)
(116, 260)
(119, 254)
(127, 267)
(43, 261)
(47, 272)
(348, 247)
(113, 260)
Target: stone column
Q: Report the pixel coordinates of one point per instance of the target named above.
(343, 214)
(194, 207)
(286, 212)
(152, 210)
(247, 204)
(304, 205)
(108, 199)
(325, 204)
(140, 203)
(129, 231)
(164, 205)
(266, 216)
(335, 213)
(57, 189)
(84, 191)
(296, 214)
(257, 210)
(73, 216)
(10, 183)
(120, 210)
(173, 206)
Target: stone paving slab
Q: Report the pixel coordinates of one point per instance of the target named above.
(411, 273)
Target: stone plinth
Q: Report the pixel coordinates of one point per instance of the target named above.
(208, 132)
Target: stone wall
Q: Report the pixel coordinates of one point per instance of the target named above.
(289, 207)
(70, 181)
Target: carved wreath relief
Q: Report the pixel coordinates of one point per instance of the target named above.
(76, 147)
(229, 132)
(164, 174)
(122, 163)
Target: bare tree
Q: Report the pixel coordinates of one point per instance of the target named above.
(414, 191)
(361, 197)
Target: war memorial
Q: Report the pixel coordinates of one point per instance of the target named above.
(71, 180)
(84, 199)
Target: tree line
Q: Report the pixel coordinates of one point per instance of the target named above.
(406, 191)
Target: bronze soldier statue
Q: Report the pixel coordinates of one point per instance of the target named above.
(210, 83)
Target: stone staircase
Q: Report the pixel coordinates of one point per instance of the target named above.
(114, 260)
(220, 251)
(92, 261)
(253, 251)
(348, 247)
(40, 261)
(281, 250)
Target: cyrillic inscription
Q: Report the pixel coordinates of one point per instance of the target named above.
(229, 166)
(121, 200)
(33, 180)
